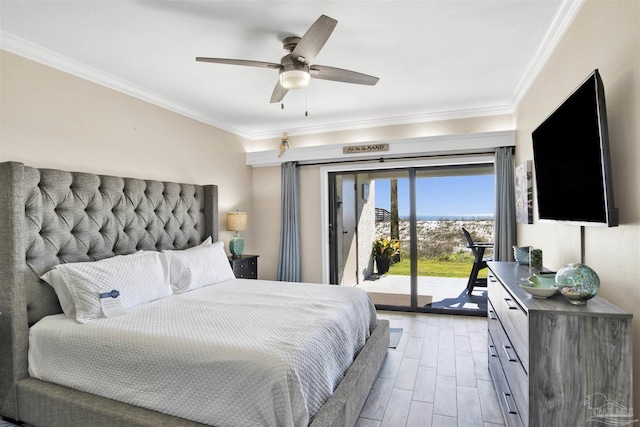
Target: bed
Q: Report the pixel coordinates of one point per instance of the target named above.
(50, 217)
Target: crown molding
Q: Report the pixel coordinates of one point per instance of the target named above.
(388, 121)
(37, 53)
(564, 18)
(411, 147)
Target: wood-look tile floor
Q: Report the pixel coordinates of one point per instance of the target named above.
(436, 377)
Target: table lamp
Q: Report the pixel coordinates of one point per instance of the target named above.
(236, 221)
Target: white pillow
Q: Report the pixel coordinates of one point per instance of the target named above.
(198, 266)
(206, 242)
(139, 278)
(54, 278)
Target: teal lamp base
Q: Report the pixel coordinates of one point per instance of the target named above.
(236, 245)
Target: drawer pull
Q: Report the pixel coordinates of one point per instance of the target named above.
(511, 304)
(511, 404)
(492, 279)
(492, 315)
(510, 357)
(492, 351)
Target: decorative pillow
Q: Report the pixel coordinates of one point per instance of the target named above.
(198, 266)
(139, 278)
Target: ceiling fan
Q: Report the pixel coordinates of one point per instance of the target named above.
(295, 69)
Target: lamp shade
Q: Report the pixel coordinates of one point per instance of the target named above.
(236, 221)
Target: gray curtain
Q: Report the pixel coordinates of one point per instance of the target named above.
(289, 260)
(505, 212)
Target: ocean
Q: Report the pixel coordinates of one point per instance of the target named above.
(487, 217)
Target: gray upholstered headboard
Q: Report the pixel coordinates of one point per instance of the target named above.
(49, 217)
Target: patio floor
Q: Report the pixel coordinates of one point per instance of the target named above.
(447, 293)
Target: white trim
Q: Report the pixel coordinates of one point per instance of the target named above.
(391, 121)
(453, 160)
(563, 19)
(412, 147)
(37, 53)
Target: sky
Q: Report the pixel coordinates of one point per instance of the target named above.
(442, 196)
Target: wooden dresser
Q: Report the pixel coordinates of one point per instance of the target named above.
(554, 363)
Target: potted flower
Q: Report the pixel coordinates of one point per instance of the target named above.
(384, 250)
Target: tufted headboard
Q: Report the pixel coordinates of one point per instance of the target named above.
(49, 217)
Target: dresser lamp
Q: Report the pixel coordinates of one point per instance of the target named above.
(236, 221)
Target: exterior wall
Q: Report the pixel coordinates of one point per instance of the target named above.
(55, 120)
(366, 226)
(604, 35)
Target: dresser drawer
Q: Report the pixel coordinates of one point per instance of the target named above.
(494, 291)
(492, 316)
(515, 323)
(245, 266)
(510, 411)
(515, 375)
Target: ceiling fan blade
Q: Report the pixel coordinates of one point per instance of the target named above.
(338, 74)
(240, 62)
(278, 93)
(314, 39)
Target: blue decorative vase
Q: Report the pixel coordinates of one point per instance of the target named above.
(578, 283)
(236, 245)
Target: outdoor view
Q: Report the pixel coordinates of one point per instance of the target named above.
(444, 205)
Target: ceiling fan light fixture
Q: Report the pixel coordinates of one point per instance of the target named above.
(294, 68)
(294, 79)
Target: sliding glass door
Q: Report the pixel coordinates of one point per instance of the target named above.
(421, 211)
(448, 200)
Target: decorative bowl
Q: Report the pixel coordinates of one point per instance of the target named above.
(543, 280)
(541, 285)
(521, 254)
(538, 292)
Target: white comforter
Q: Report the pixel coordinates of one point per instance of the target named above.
(239, 353)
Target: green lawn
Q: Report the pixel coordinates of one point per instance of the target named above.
(460, 267)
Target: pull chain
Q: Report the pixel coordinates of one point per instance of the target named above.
(306, 109)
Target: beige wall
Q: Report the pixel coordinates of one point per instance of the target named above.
(56, 120)
(267, 191)
(604, 35)
(266, 184)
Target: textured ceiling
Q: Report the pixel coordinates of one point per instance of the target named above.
(435, 59)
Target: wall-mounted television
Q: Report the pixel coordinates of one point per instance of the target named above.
(571, 158)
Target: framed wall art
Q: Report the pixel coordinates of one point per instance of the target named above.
(524, 193)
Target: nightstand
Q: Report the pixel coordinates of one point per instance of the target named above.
(245, 266)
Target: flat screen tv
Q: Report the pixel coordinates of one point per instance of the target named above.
(571, 160)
